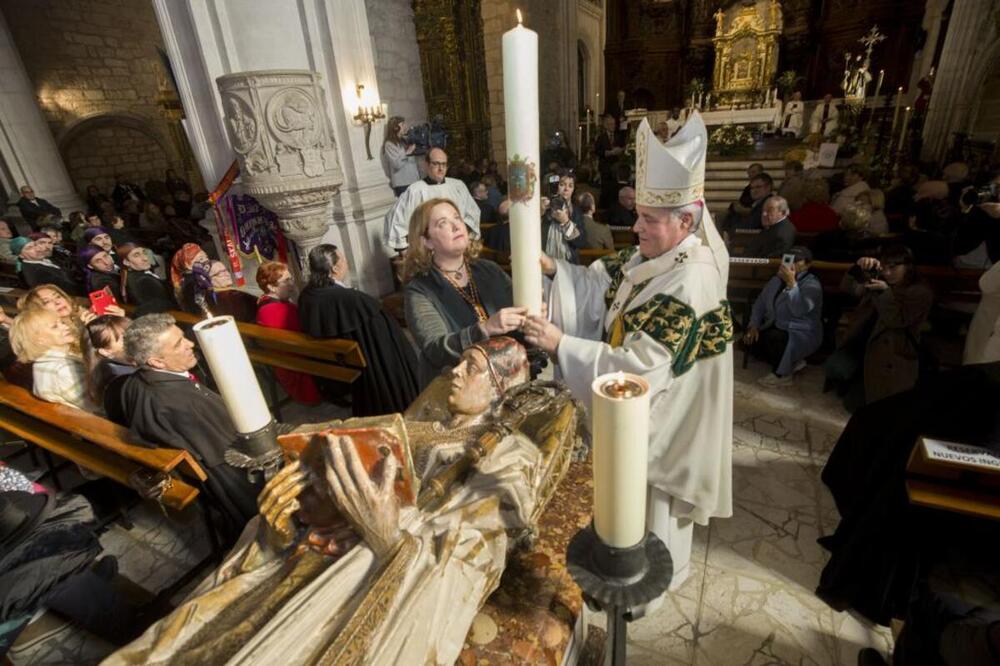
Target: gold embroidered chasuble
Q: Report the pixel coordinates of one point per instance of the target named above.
(667, 320)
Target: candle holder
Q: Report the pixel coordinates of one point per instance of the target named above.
(256, 451)
(620, 581)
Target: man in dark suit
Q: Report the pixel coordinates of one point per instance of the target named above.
(608, 147)
(622, 213)
(778, 233)
(167, 405)
(32, 207)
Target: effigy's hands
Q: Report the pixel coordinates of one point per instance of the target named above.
(371, 508)
(279, 501)
(334, 540)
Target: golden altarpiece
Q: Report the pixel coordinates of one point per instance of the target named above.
(746, 51)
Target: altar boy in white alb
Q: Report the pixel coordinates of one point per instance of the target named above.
(659, 310)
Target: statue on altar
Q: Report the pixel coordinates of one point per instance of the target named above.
(746, 51)
(381, 539)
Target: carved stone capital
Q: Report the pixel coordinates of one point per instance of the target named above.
(278, 126)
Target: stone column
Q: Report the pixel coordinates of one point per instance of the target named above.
(968, 45)
(28, 153)
(277, 124)
(331, 37)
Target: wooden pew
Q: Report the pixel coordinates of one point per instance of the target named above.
(952, 486)
(96, 444)
(339, 360)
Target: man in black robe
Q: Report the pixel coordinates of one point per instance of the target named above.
(36, 265)
(330, 309)
(882, 540)
(143, 287)
(167, 405)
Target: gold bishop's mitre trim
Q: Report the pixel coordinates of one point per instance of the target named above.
(654, 157)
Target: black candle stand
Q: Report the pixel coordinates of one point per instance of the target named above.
(619, 581)
(256, 451)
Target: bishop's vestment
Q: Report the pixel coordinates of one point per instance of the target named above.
(668, 321)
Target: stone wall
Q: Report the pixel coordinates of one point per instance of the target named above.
(91, 62)
(397, 60)
(103, 151)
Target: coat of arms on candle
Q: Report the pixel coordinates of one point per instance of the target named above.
(521, 177)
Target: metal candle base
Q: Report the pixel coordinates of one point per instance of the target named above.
(619, 581)
(256, 451)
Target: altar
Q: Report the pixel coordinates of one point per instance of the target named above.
(764, 116)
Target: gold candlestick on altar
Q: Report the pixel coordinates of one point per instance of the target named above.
(620, 427)
(902, 135)
(895, 114)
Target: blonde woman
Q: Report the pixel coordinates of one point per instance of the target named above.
(43, 338)
(52, 298)
(453, 299)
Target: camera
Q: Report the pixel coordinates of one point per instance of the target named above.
(556, 202)
(977, 195)
(427, 135)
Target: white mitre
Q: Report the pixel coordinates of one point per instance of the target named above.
(672, 174)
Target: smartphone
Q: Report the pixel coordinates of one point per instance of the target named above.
(100, 300)
(553, 185)
(788, 260)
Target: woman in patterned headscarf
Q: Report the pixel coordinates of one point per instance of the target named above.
(189, 275)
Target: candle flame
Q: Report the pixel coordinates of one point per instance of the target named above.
(518, 16)
(907, 109)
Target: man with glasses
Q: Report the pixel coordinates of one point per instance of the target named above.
(434, 185)
(32, 208)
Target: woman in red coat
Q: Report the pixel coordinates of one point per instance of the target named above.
(275, 310)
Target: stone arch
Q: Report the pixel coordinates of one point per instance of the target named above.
(97, 146)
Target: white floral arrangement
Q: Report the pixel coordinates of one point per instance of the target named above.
(731, 139)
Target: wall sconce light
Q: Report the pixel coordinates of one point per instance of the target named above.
(367, 115)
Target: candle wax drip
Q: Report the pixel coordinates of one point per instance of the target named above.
(622, 388)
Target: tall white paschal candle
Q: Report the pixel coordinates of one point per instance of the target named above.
(227, 358)
(520, 104)
(620, 425)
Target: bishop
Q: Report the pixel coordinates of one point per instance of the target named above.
(659, 311)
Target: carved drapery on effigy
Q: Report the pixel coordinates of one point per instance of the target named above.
(746, 51)
(278, 126)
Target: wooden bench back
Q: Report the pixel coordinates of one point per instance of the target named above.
(95, 443)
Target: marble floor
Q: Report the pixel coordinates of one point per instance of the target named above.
(749, 598)
(748, 601)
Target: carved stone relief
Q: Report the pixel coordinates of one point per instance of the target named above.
(277, 124)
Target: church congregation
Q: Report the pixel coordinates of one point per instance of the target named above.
(451, 332)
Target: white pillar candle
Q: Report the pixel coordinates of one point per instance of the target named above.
(620, 425)
(520, 104)
(227, 358)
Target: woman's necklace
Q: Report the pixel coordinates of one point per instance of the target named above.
(458, 273)
(469, 293)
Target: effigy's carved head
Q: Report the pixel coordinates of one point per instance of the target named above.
(484, 374)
